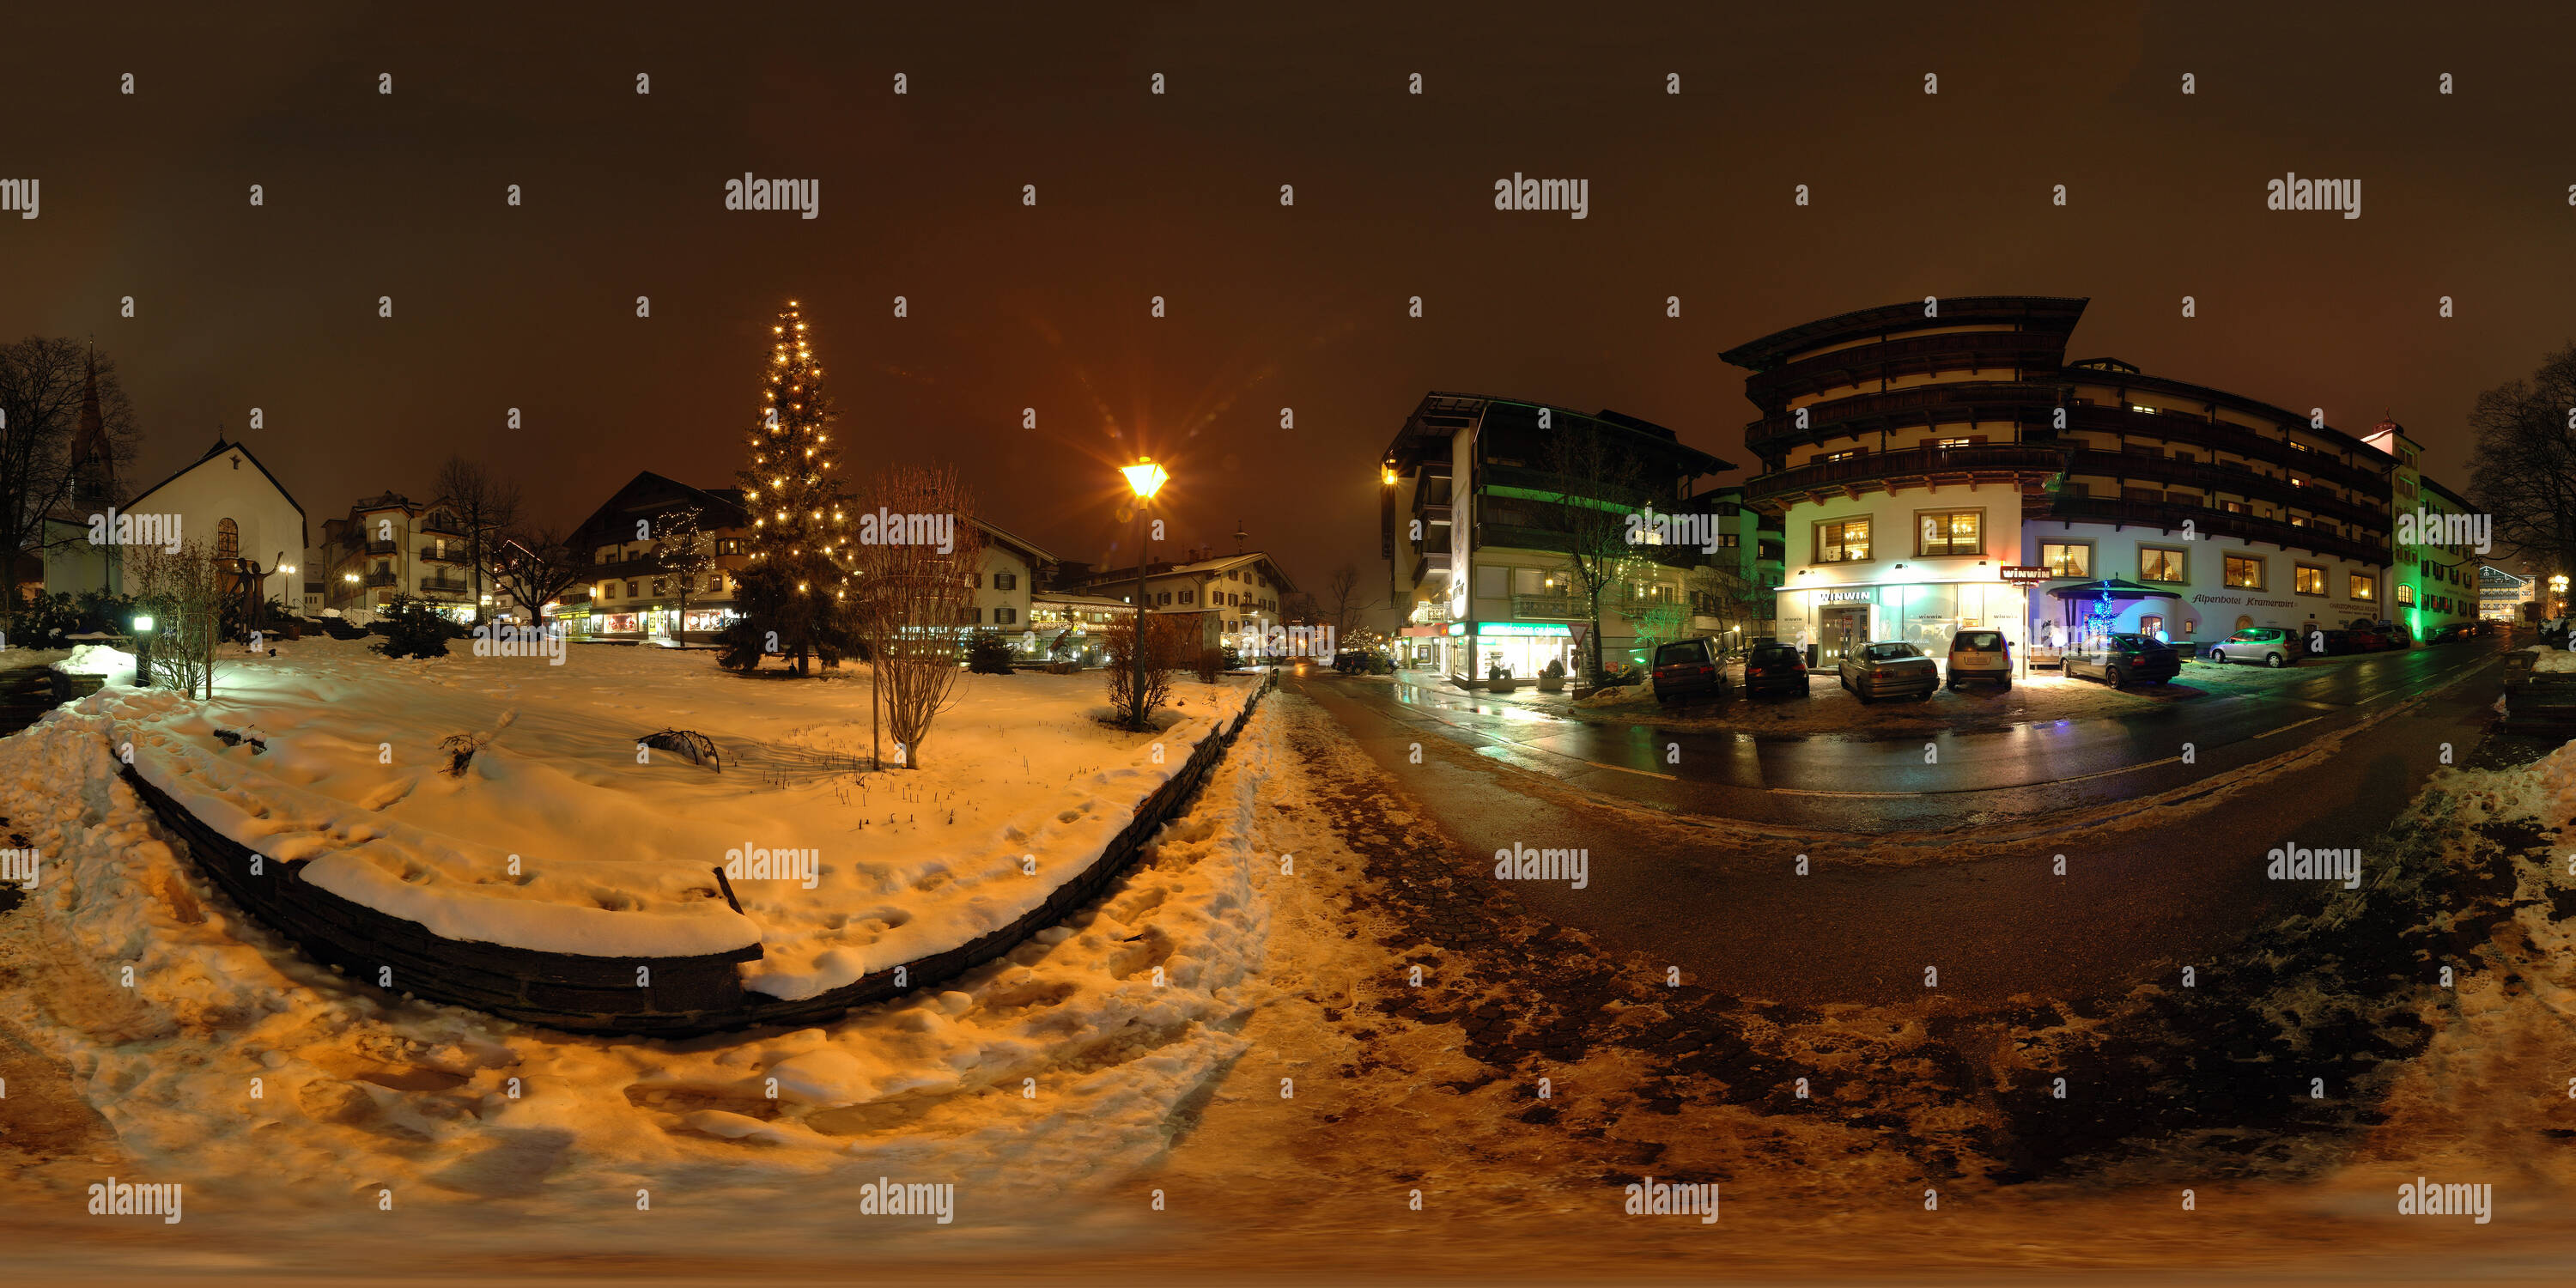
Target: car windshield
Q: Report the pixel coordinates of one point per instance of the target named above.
(1774, 653)
(1688, 651)
(2130, 643)
(1978, 641)
(1889, 652)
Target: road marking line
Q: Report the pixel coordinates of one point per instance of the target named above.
(1625, 770)
(2286, 728)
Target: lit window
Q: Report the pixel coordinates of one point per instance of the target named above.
(2308, 580)
(2364, 588)
(2159, 565)
(1951, 532)
(1844, 542)
(2066, 559)
(2244, 572)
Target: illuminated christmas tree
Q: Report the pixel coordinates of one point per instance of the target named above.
(800, 537)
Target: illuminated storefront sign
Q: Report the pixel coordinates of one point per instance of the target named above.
(1558, 629)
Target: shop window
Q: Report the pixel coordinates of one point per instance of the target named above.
(2067, 558)
(2308, 580)
(2244, 572)
(1951, 532)
(2364, 588)
(1846, 541)
(2156, 563)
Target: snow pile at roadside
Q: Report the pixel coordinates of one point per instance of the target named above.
(1623, 695)
(2470, 1102)
(232, 1064)
(2552, 659)
(556, 838)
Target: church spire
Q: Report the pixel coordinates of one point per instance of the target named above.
(93, 457)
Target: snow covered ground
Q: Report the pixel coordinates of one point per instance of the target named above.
(562, 835)
(231, 1064)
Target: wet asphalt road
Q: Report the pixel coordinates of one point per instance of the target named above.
(2169, 887)
(1864, 782)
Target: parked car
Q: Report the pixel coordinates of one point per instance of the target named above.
(1980, 655)
(1686, 669)
(2368, 638)
(2453, 632)
(2118, 659)
(1776, 666)
(1890, 669)
(2330, 643)
(2395, 635)
(2265, 645)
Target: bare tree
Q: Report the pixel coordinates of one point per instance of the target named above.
(1341, 591)
(184, 595)
(683, 550)
(1171, 643)
(1594, 478)
(2523, 468)
(918, 593)
(487, 507)
(535, 566)
(44, 396)
(1300, 609)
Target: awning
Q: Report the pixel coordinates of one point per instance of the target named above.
(2109, 590)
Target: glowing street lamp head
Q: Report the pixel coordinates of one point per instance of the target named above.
(1145, 478)
(142, 625)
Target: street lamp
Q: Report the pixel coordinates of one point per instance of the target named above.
(1144, 478)
(142, 652)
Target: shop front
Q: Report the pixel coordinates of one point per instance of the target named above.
(1522, 649)
(1837, 619)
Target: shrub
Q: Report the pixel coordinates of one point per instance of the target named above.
(1171, 641)
(987, 654)
(412, 628)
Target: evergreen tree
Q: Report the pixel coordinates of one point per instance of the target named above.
(799, 534)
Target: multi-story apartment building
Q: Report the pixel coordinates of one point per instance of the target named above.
(1917, 450)
(389, 545)
(1477, 553)
(1238, 593)
(2434, 570)
(628, 593)
(2502, 595)
(1012, 569)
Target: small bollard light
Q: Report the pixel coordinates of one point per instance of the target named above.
(142, 652)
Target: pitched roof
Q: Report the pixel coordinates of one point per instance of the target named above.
(222, 445)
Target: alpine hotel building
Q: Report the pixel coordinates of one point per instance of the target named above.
(1915, 451)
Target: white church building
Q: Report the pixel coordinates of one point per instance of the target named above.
(226, 501)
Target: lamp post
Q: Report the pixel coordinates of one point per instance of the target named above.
(142, 652)
(1144, 479)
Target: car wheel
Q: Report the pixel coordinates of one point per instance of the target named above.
(2272, 660)
(2111, 675)
(2007, 684)
(1953, 687)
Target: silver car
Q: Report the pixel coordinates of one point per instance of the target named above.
(1889, 670)
(2268, 645)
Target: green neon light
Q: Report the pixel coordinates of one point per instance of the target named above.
(1559, 498)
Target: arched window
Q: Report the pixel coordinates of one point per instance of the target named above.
(227, 539)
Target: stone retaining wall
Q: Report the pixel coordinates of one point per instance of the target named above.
(648, 996)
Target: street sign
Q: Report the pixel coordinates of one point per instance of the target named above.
(1581, 629)
(2027, 572)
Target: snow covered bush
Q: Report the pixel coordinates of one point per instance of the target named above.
(986, 654)
(183, 593)
(412, 628)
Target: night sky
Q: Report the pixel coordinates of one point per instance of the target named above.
(1177, 195)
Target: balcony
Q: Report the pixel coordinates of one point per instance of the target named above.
(1912, 355)
(2034, 463)
(2027, 402)
(432, 554)
(441, 586)
(376, 579)
(382, 547)
(1978, 462)
(1551, 608)
(442, 527)
(2207, 522)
